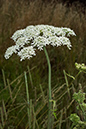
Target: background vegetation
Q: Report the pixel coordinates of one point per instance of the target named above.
(15, 15)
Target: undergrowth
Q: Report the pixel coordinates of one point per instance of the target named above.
(15, 105)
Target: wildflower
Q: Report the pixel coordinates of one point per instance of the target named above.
(18, 34)
(68, 31)
(26, 52)
(38, 37)
(22, 41)
(79, 97)
(10, 51)
(66, 41)
(80, 66)
(74, 118)
(40, 42)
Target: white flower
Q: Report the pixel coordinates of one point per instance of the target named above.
(68, 31)
(58, 31)
(58, 41)
(26, 52)
(22, 41)
(40, 42)
(10, 51)
(37, 37)
(31, 32)
(65, 41)
(55, 41)
(18, 34)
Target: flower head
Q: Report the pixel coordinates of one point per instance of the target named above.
(79, 97)
(10, 51)
(22, 41)
(39, 42)
(81, 67)
(26, 52)
(37, 37)
(18, 34)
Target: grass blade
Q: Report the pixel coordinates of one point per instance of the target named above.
(60, 119)
(9, 89)
(35, 121)
(17, 92)
(4, 108)
(4, 78)
(42, 93)
(2, 118)
(66, 82)
(30, 76)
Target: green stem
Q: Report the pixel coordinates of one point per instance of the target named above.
(27, 93)
(82, 111)
(49, 86)
(72, 126)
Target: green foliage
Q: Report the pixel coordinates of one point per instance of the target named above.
(81, 107)
(79, 97)
(20, 111)
(74, 118)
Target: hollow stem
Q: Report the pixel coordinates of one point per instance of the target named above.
(49, 86)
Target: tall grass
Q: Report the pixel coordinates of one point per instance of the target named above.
(19, 111)
(13, 107)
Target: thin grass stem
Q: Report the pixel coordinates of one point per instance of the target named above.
(61, 119)
(66, 82)
(4, 78)
(49, 86)
(2, 118)
(30, 76)
(9, 89)
(42, 93)
(35, 120)
(4, 108)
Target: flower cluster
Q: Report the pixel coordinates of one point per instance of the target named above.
(26, 52)
(37, 37)
(81, 67)
(79, 97)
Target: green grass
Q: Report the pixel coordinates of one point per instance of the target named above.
(20, 111)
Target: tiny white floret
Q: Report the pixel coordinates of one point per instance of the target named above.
(26, 52)
(10, 51)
